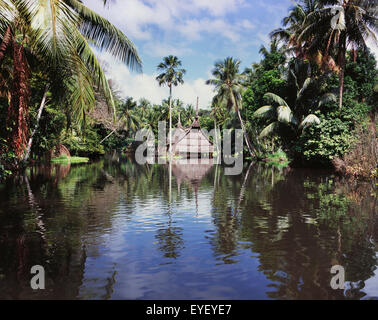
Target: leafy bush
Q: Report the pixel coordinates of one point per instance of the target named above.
(321, 143)
(7, 159)
(87, 145)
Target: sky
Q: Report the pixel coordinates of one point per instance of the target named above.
(199, 32)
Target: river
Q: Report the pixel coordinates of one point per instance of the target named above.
(112, 229)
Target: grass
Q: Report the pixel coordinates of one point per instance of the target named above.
(65, 159)
(278, 159)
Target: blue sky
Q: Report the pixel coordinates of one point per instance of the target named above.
(199, 32)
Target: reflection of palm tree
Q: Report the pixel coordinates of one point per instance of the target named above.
(171, 75)
(170, 240)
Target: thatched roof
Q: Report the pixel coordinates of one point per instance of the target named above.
(191, 140)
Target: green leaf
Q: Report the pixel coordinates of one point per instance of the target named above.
(273, 127)
(265, 112)
(309, 120)
(275, 98)
(285, 115)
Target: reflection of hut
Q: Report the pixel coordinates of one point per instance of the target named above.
(184, 170)
(193, 142)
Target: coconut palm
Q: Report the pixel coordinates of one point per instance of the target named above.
(171, 75)
(58, 34)
(340, 24)
(294, 24)
(144, 104)
(228, 84)
(190, 114)
(305, 98)
(282, 114)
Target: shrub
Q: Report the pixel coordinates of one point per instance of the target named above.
(321, 143)
(7, 160)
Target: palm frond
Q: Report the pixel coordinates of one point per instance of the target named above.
(52, 23)
(311, 119)
(285, 115)
(90, 60)
(270, 129)
(265, 112)
(275, 98)
(327, 98)
(106, 36)
(7, 15)
(305, 86)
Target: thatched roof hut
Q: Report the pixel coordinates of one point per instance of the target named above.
(192, 142)
(178, 133)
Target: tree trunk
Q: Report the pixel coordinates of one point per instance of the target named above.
(170, 120)
(216, 136)
(4, 45)
(41, 107)
(246, 138)
(108, 135)
(18, 107)
(342, 53)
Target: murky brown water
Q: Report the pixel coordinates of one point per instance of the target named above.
(116, 230)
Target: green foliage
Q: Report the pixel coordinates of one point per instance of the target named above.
(364, 74)
(277, 159)
(87, 145)
(6, 160)
(268, 81)
(323, 142)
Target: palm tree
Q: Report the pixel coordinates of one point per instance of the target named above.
(190, 114)
(360, 23)
(171, 75)
(228, 84)
(339, 24)
(282, 114)
(57, 34)
(128, 118)
(297, 36)
(294, 24)
(306, 97)
(144, 104)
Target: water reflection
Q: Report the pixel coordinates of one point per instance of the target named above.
(113, 229)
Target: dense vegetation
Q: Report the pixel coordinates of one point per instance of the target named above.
(312, 97)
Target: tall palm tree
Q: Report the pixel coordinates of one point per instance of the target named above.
(228, 84)
(57, 34)
(171, 75)
(295, 34)
(340, 24)
(294, 24)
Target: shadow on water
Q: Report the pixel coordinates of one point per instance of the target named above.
(114, 229)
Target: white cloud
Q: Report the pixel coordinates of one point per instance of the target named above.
(193, 28)
(158, 49)
(137, 17)
(145, 86)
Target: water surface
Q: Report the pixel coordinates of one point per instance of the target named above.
(116, 230)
